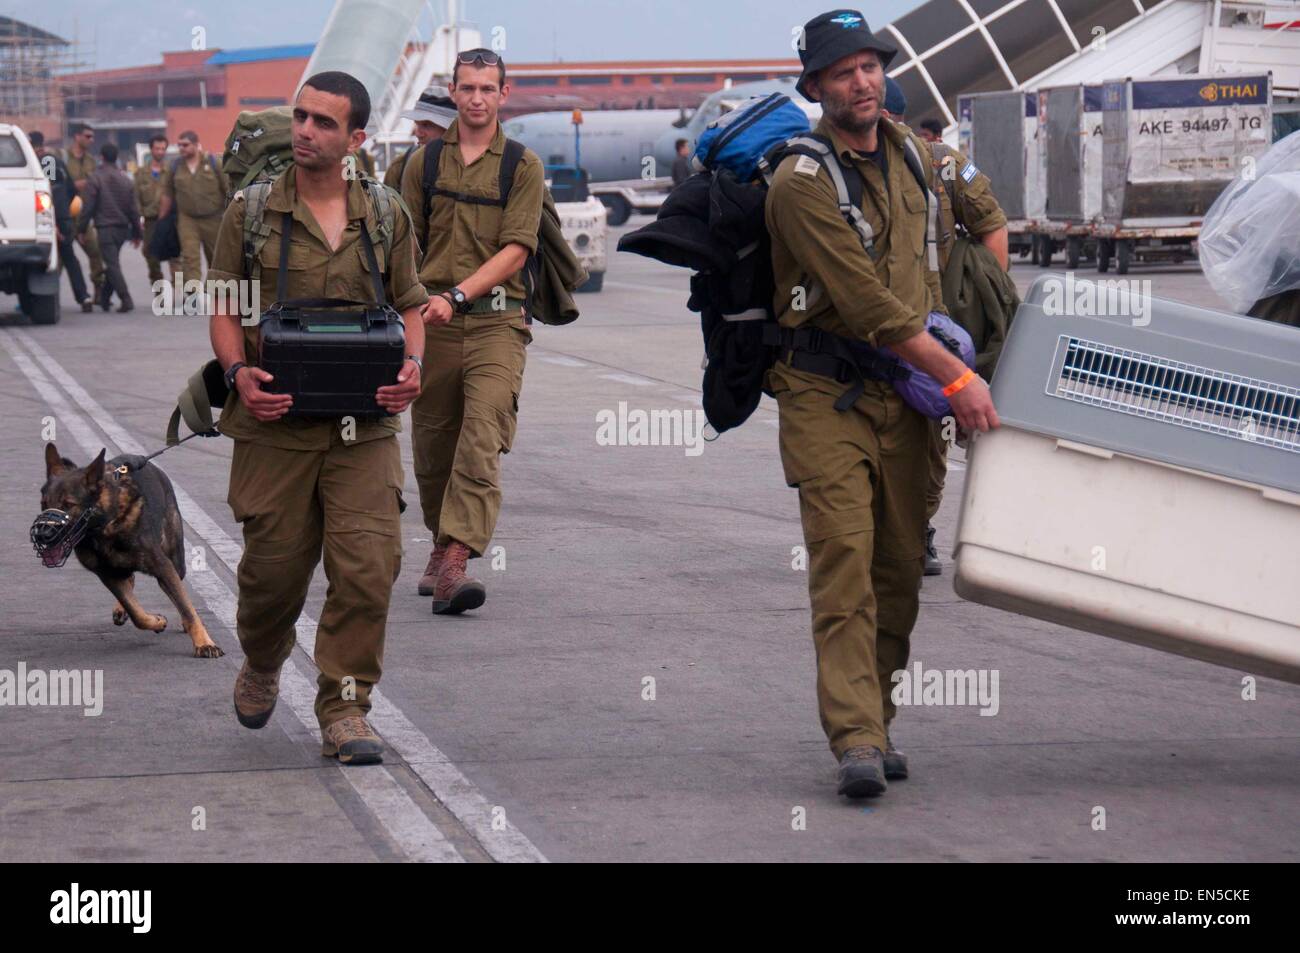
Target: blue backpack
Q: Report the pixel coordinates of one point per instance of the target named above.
(738, 140)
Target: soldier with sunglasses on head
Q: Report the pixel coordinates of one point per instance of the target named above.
(476, 202)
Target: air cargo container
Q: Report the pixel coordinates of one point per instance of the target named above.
(999, 133)
(1169, 147)
(1069, 122)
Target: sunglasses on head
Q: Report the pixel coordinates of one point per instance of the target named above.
(470, 57)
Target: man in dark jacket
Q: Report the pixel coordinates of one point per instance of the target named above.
(62, 191)
(110, 204)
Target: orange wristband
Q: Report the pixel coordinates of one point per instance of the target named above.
(959, 383)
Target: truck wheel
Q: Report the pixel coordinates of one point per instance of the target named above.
(1045, 250)
(1073, 251)
(42, 309)
(1103, 256)
(593, 283)
(1123, 255)
(620, 210)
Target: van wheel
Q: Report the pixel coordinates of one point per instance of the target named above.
(620, 210)
(42, 309)
(593, 283)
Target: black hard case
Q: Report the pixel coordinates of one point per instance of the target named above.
(329, 354)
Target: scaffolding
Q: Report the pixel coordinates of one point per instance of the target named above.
(32, 62)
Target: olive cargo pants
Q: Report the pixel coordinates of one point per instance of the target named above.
(293, 503)
(862, 477)
(196, 234)
(463, 420)
(89, 242)
(938, 469)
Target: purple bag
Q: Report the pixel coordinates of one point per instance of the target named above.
(921, 391)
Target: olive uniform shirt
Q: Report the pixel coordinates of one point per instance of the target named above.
(814, 249)
(314, 272)
(148, 189)
(460, 237)
(200, 193)
(79, 168)
(966, 199)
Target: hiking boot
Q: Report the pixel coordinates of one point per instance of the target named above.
(429, 581)
(455, 591)
(352, 741)
(933, 565)
(255, 695)
(895, 761)
(862, 772)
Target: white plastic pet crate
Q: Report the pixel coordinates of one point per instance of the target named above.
(1145, 482)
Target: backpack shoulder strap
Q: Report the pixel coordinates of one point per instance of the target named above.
(514, 152)
(429, 180)
(846, 180)
(256, 231)
(510, 159)
(912, 156)
(387, 202)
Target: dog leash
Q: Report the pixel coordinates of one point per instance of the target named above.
(141, 461)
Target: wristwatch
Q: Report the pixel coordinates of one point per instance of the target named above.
(418, 363)
(231, 372)
(459, 303)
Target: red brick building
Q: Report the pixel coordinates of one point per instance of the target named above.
(205, 90)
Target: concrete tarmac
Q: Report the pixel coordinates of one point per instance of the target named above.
(640, 683)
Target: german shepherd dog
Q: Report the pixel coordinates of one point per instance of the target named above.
(131, 524)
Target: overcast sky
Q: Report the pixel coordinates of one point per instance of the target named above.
(135, 32)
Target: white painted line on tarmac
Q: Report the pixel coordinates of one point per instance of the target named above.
(456, 792)
(419, 838)
(633, 379)
(561, 360)
(682, 293)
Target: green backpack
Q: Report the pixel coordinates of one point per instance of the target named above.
(260, 146)
(258, 150)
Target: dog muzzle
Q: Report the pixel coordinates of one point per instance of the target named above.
(55, 534)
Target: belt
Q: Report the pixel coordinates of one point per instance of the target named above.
(485, 305)
(842, 359)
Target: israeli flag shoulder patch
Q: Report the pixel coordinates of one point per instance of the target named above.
(968, 172)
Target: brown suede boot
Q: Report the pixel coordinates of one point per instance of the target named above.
(456, 592)
(352, 741)
(429, 581)
(255, 695)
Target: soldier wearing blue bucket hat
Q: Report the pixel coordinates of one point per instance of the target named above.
(855, 265)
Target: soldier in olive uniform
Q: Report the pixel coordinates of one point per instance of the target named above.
(81, 166)
(476, 242)
(433, 114)
(148, 195)
(861, 473)
(197, 187)
(297, 484)
(967, 206)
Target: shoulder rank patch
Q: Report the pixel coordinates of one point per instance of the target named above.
(807, 165)
(968, 172)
